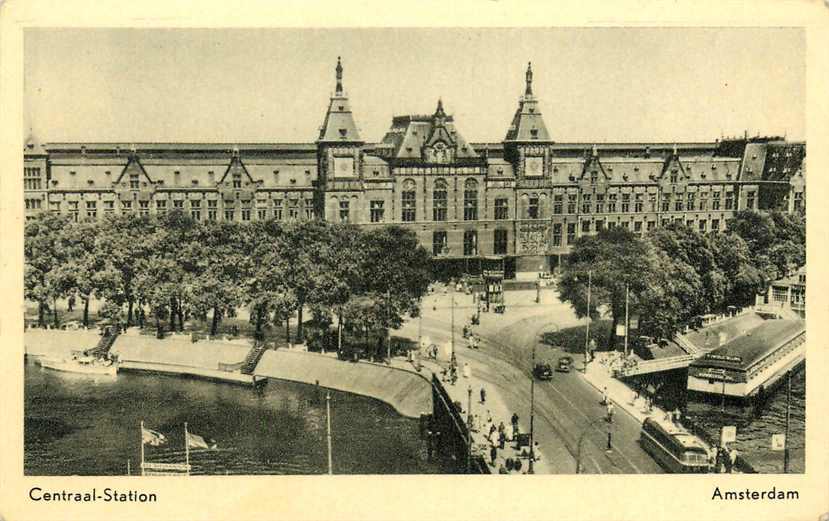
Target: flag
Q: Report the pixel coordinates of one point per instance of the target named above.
(195, 441)
(151, 437)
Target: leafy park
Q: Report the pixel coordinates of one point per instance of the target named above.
(167, 272)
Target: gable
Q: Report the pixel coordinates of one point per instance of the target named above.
(133, 167)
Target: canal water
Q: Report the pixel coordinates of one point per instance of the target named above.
(755, 423)
(84, 425)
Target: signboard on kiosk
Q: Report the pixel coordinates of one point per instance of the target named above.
(728, 434)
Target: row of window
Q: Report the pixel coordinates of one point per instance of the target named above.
(294, 211)
(440, 242)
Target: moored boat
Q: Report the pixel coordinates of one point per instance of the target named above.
(81, 364)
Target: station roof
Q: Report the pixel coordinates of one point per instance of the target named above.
(745, 350)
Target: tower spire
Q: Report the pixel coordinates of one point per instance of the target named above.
(529, 90)
(339, 90)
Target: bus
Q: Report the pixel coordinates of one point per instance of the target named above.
(675, 449)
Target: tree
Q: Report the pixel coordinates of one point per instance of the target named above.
(44, 254)
(617, 260)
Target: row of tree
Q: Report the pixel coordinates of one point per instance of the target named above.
(676, 273)
(170, 268)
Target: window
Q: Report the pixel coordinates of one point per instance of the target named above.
(309, 209)
(571, 203)
(501, 209)
(31, 179)
(715, 225)
(674, 176)
(178, 204)
(532, 208)
(500, 247)
(729, 200)
(344, 211)
(599, 203)
(666, 221)
(611, 203)
(703, 201)
(558, 203)
(585, 226)
(237, 180)
(639, 203)
(470, 242)
(692, 201)
(409, 205)
(626, 225)
(678, 203)
(109, 206)
(625, 203)
(73, 210)
(262, 214)
(144, 208)
(229, 214)
(134, 182)
(377, 211)
(798, 201)
(611, 225)
(54, 206)
(277, 209)
(439, 243)
(651, 225)
(33, 204)
(126, 206)
(161, 206)
(715, 203)
(557, 234)
(585, 203)
(599, 225)
(571, 233)
(594, 176)
(666, 202)
(652, 202)
(439, 201)
(246, 213)
(195, 210)
(702, 225)
(637, 228)
(750, 196)
(470, 200)
(293, 209)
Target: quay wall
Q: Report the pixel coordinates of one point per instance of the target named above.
(58, 343)
(410, 393)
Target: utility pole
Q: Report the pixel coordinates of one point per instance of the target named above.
(587, 329)
(627, 303)
(388, 330)
(328, 425)
(532, 413)
(186, 449)
(788, 415)
(452, 324)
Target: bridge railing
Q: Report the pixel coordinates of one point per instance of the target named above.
(652, 366)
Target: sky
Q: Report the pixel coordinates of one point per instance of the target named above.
(272, 85)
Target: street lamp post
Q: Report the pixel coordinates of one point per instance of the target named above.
(587, 329)
(452, 324)
(532, 413)
(469, 430)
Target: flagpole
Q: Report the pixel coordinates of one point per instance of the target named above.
(186, 448)
(142, 446)
(328, 423)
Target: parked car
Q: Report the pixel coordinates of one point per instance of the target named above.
(565, 363)
(543, 371)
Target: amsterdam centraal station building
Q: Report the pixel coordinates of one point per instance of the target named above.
(524, 200)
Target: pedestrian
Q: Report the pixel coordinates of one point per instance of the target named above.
(502, 439)
(467, 371)
(493, 453)
(514, 425)
(732, 458)
(610, 412)
(483, 396)
(536, 452)
(508, 433)
(604, 396)
(489, 418)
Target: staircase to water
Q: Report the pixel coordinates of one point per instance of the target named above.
(253, 357)
(104, 345)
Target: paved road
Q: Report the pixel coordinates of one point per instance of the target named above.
(569, 418)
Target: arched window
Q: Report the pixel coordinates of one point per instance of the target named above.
(408, 201)
(439, 200)
(470, 200)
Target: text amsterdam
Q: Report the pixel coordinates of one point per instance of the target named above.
(107, 495)
(752, 495)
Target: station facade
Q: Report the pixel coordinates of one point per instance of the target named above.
(526, 199)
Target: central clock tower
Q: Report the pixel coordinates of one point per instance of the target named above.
(527, 143)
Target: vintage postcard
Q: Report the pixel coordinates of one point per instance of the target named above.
(393, 270)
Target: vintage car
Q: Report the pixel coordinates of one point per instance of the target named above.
(565, 363)
(543, 371)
